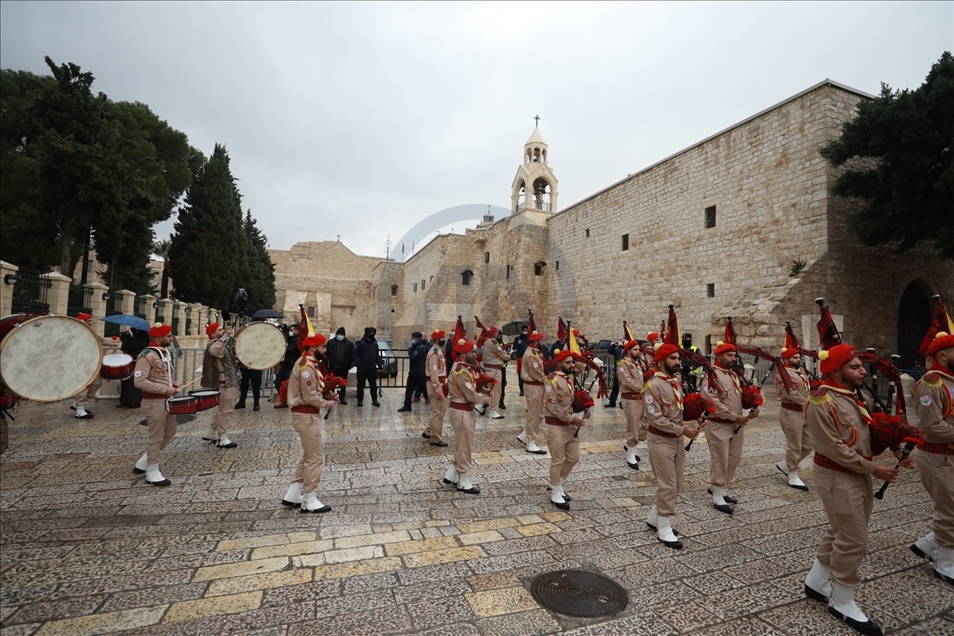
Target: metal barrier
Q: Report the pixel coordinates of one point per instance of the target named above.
(393, 370)
(30, 292)
(79, 299)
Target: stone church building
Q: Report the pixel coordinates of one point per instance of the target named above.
(740, 224)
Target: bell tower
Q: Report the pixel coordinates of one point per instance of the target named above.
(534, 191)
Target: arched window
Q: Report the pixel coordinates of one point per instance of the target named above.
(465, 277)
(394, 290)
(415, 288)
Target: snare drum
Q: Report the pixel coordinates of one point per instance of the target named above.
(206, 399)
(183, 405)
(260, 345)
(117, 366)
(50, 358)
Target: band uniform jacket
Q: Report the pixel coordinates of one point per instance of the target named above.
(662, 397)
(306, 383)
(531, 367)
(802, 388)
(839, 430)
(558, 397)
(462, 385)
(153, 372)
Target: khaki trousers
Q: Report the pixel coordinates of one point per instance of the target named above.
(848, 500)
(725, 451)
(438, 407)
(564, 451)
(308, 426)
(937, 474)
(162, 428)
(534, 419)
(84, 396)
(497, 375)
(636, 426)
(798, 439)
(667, 458)
(222, 420)
(463, 423)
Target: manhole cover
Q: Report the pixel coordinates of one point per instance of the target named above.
(578, 593)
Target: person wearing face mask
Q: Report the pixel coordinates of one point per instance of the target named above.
(436, 370)
(340, 359)
(417, 374)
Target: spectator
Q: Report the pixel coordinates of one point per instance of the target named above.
(520, 344)
(417, 375)
(292, 353)
(366, 355)
(340, 352)
(615, 350)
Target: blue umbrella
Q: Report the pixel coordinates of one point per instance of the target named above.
(130, 321)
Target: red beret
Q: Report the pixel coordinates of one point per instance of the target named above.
(664, 352)
(314, 341)
(84, 316)
(941, 342)
(576, 331)
(652, 335)
(159, 330)
(836, 357)
(788, 352)
(630, 345)
(536, 335)
(724, 347)
(563, 355)
(463, 346)
(438, 334)
(211, 328)
(491, 331)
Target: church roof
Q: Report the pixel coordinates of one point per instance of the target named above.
(536, 139)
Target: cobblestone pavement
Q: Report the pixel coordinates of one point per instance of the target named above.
(89, 548)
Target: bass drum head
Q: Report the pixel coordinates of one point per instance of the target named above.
(50, 358)
(260, 345)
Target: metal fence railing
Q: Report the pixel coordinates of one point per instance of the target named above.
(30, 292)
(80, 298)
(139, 306)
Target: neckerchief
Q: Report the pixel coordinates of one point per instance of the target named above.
(735, 380)
(862, 408)
(676, 385)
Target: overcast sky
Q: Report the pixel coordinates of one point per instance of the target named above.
(361, 119)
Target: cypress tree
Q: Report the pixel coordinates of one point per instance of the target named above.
(260, 282)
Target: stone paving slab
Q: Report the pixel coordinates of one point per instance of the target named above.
(86, 547)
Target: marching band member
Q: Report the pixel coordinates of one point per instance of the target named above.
(493, 358)
(153, 376)
(798, 439)
(464, 394)
(935, 461)
(220, 371)
(84, 396)
(436, 368)
(305, 398)
(563, 427)
(629, 370)
(532, 376)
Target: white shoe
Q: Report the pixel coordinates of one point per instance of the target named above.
(523, 438)
(818, 583)
(631, 457)
(533, 448)
(718, 495)
(795, 482)
(782, 467)
(557, 497)
(494, 415)
(926, 547)
(293, 496)
(154, 477)
(944, 564)
(451, 477)
(82, 414)
(464, 485)
(652, 519)
(211, 436)
(842, 605)
(141, 465)
(225, 442)
(310, 503)
(666, 535)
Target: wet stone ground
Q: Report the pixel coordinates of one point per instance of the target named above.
(89, 548)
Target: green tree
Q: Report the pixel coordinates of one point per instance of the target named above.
(898, 155)
(208, 256)
(260, 281)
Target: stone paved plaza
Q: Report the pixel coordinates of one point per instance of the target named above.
(89, 548)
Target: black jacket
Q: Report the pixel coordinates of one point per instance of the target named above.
(365, 354)
(340, 353)
(417, 354)
(520, 344)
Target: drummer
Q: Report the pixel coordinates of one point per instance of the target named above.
(84, 396)
(220, 372)
(153, 376)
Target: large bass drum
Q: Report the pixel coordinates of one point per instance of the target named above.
(50, 358)
(259, 345)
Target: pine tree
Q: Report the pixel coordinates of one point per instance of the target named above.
(260, 282)
(208, 257)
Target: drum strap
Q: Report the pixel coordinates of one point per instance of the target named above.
(166, 359)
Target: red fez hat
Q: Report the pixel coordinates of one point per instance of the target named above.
(438, 334)
(664, 351)
(724, 347)
(84, 316)
(652, 335)
(159, 330)
(836, 357)
(630, 345)
(211, 328)
(788, 352)
(941, 342)
(314, 341)
(536, 335)
(563, 355)
(463, 346)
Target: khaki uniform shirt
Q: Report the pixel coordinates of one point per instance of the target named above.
(838, 428)
(935, 407)
(306, 384)
(436, 364)
(462, 385)
(222, 358)
(531, 368)
(630, 375)
(558, 397)
(663, 400)
(493, 353)
(728, 400)
(153, 372)
(802, 388)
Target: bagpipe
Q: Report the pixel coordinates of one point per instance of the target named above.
(695, 406)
